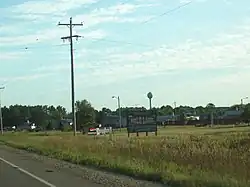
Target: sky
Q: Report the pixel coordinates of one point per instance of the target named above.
(188, 52)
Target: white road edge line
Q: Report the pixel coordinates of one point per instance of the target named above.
(27, 173)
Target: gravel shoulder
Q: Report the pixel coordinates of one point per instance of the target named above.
(65, 174)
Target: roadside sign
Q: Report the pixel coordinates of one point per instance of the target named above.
(141, 120)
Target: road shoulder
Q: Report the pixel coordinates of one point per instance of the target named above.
(62, 173)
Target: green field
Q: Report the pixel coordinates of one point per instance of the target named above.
(178, 156)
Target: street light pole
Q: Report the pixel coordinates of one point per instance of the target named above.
(120, 112)
(174, 108)
(1, 116)
(241, 101)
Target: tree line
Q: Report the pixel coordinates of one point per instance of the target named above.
(87, 115)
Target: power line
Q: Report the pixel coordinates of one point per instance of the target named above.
(124, 2)
(115, 41)
(34, 47)
(167, 12)
(124, 42)
(121, 42)
(96, 40)
(153, 18)
(70, 38)
(46, 46)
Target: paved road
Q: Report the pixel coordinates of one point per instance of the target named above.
(19, 169)
(12, 177)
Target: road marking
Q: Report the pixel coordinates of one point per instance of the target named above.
(27, 173)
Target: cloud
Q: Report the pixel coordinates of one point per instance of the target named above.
(55, 7)
(119, 9)
(25, 77)
(47, 11)
(113, 14)
(227, 50)
(230, 50)
(56, 11)
(52, 35)
(96, 34)
(188, 1)
(8, 56)
(239, 78)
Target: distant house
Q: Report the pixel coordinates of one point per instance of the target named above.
(26, 126)
(232, 114)
(165, 118)
(113, 121)
(168, 119)
(66, 122)
(203, 117)
(58, 124)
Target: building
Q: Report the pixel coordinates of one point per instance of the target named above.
(113, 121)
(26, 126)
(232, 114)
(63, 123)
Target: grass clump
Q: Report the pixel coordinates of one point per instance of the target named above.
(180, 159)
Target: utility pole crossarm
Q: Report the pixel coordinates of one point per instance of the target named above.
(60, 24)
(73, 36)
(67, 24)
(77, 24)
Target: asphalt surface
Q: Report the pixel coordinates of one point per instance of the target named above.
(19, 169)
(10, 177)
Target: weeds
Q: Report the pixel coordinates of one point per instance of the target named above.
(179, 160)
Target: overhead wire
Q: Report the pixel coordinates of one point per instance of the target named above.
(117, 41)
(37, 47)
(167, 12)
(150, 19)
(126, 43)
(95, 40)
(30, 47)
(27, 47)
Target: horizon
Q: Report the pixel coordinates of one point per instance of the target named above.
(137, 106)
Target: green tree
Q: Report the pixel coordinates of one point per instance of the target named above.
(98, 116)
(61, 112)
(85, 114)
(38, 115)
(49, 126)
(235, 107)
(246, 113)
(200, 110)
(165, 110)
(210, 106)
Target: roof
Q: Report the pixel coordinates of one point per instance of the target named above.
(233, 113)
(166, 117)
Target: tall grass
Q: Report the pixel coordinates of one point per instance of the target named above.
(176, 160)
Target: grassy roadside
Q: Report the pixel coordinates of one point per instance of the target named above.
(185, 160)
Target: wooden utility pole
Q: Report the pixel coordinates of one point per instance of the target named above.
(70, 38)
(1, 116)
